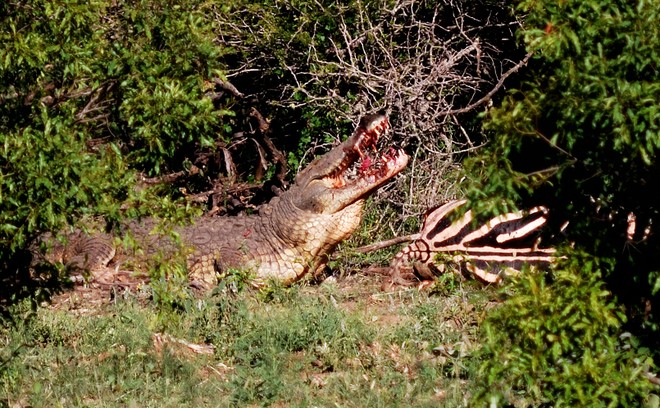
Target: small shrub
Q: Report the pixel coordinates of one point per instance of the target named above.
(580, 134)
(543, 347)
(90, 94)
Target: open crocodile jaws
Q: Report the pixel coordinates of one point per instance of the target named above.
(294, 233)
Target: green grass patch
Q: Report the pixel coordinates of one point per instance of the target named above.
(344, 344)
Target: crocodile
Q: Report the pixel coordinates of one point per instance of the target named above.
(292, 235)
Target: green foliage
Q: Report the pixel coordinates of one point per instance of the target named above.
(581, 135)
(138, 68)
(544, 347)
(592, 81)
(164, 55)
(49, 179)
(447, 283)
(90, 93)
(170, 285)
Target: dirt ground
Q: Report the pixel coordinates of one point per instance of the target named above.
(104, 287)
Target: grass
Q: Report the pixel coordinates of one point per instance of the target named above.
(344, 344)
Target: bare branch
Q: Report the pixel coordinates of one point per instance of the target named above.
(496, 88)
(425, 63)
(278, 156)
(228, 86)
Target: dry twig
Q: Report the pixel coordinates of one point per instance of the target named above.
(425, 63)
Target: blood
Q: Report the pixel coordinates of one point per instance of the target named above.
(366, 163)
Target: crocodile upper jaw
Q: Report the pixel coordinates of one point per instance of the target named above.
(350, 171)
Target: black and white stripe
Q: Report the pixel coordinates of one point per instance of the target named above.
(489, 251)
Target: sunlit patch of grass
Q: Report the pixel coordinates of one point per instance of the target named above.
(346, 344)
(57, 358)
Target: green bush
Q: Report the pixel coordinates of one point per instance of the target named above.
(90, 94)
(580, 134)
(544, 347)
